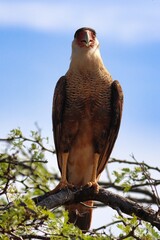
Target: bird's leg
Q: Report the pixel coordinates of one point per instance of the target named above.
(93, 181)
(63, 182)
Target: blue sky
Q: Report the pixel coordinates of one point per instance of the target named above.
(35, 49)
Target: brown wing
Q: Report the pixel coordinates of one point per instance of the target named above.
(117, 105)
(57, 114)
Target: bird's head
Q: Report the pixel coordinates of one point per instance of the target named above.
(85, 38)
(85, 47)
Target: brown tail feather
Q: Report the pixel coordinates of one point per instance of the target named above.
(80, 215)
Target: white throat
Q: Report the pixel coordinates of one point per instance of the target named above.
(86, 58)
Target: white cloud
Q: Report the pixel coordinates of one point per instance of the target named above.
(126, 21)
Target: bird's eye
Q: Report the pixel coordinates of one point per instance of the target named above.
(93, 35)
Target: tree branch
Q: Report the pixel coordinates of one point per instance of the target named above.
(67, 196)
(113, 160)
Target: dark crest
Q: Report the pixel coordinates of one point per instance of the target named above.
(84, 28)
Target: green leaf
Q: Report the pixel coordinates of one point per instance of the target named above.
(126, 186)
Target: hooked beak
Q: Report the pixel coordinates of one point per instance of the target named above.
(87, 39)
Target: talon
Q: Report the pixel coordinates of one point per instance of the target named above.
(61, 185)
(94, 185)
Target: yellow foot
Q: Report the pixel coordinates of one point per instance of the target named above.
(94, 185)
(61, 185)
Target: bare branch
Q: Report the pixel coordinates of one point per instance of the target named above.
(137, 188)
(67, 196)
(113, 160)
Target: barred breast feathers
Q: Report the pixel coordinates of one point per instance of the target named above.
(87, 78)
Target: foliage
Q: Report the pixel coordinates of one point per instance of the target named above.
(24, 174)
(136, 229)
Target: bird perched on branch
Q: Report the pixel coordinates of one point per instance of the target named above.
(87, 110)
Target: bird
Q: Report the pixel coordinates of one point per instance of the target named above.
(86, 116)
